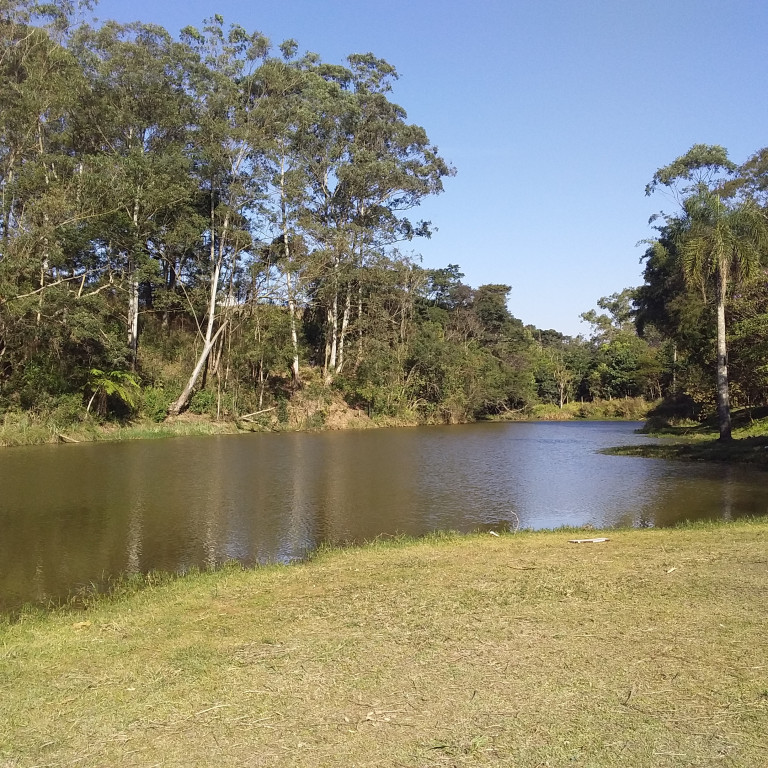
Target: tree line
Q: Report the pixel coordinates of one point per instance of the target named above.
(706, 282)
(206, 222)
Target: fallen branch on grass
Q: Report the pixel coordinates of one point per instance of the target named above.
(249, 416)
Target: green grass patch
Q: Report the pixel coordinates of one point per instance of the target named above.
(745, 422)
(620, 409)
(747, 450)
(699, 442)
(25, 429)
(523, 650)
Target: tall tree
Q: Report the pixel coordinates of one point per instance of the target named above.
(40, 85)
(717, 242)
(132, 129)
(228, 144)
(366, 167)
(286, 84)
(721, 245)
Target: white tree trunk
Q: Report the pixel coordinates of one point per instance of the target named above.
(294, 338)
(133, 315)
(343, 329)
(332, 332)
(723, 396)
(185, 396)
(217, 259)
(133, 294)
(289, 276)
(333, 329)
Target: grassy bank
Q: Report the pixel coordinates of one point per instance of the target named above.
(304, 412)
(523, 650)
(619, 409)
(698, 442)
(24, 429)
(748, 450)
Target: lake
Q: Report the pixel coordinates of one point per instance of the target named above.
(75, 516)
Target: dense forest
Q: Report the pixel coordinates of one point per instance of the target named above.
(205, 223)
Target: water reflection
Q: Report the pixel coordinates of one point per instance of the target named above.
(75, 515)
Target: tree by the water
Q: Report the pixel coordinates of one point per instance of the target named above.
(717, 244)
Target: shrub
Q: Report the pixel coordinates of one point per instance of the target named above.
(155, 402)
(203, 403)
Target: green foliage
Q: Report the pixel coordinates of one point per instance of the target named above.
(282, 408)
(66, 409)
(203, 402)
(112, 389)
(714, 246)
(626, 408)
(702, 165)
(224, 219)
(154, 403)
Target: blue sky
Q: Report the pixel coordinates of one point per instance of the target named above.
(555, 113)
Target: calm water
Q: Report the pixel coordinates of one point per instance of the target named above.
(76, 515)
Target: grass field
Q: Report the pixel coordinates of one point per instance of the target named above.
(523, 650)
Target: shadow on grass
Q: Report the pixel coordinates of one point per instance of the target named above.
(746, 450)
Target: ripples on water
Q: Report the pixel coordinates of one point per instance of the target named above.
(80, 514)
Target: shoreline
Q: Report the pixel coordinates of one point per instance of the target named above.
(19, 428)
(127, 587)
(749, 446)
(519, 649)
(748, 451)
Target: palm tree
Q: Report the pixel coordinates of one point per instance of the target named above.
(721, 243)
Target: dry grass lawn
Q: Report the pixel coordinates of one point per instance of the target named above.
(523, 650)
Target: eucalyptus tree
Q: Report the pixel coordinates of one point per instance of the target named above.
(228, 139)
(320, 149)
(392, 167)
(286, 85)
(366, 166)
(132, 129)
(41, 81)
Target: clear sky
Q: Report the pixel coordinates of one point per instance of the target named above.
(555, 113)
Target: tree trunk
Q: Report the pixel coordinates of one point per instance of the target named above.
(133, 314)
(723, 398)
(343, 329)
(210, 338)
(333, 324)
(332, 333)
(359, 358)
(185, 396)
(133, 291)
(294, 338)
(43, 270)
(674, 369)
(289, 277)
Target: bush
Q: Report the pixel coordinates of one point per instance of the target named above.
(155, 402)
(282, 409)
(203, 403)
(67, 409)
